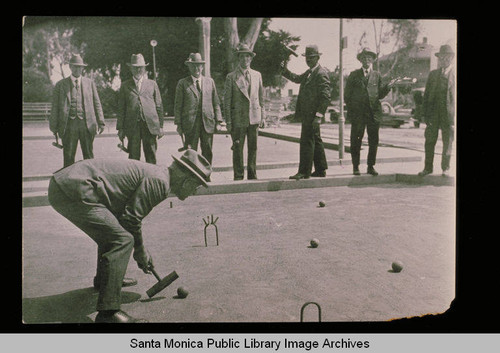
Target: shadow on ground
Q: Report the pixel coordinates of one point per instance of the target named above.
(70, 307)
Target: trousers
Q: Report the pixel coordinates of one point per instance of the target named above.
(115, 244)
(312, 150)
(76, 130)
(149, 143)
(358, 127)
(239, 134)
(198, 134)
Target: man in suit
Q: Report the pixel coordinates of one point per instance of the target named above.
(313, 99)
(140, 112)
(197, 107)
(108, 199)
(244, 111)
(76, 113)
(438, 110)
(362, 95)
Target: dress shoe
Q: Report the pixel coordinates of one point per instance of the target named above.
(252, 178)
(372, 171)
(116, 317)
(127, 282)
(299, 176)
(425, 172)
(355, 171)
(238, 179)
(319, 174)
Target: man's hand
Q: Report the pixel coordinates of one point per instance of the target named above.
(100, 129)
(161, 134)
(179, 130)
(121, 135)
(143, 258)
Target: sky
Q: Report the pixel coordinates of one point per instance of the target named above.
(324, 32)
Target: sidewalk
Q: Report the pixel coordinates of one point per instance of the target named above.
(277, 156)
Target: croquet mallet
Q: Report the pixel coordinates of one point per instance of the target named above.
(162, 283)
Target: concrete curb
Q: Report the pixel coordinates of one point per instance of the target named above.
(37, 199)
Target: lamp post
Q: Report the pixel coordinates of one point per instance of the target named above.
(154, 43)
(342, 45)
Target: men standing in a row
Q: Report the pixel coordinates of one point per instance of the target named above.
(140, 112)
(438, 110)
(76, 113)
(362, 95)
(197, 107)
(244, 111)
(312, 102)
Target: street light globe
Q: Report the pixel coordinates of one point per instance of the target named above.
(153, 43)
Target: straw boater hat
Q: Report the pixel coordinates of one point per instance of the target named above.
(196, 164)
(243, 48)
(137, 60)
(194, 58)
(312, 50)
(76, 60)
(445, 50)
(367, 51)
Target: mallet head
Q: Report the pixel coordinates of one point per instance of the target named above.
(162, 284)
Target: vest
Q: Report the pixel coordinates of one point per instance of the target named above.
(441, 97)
(76, 106)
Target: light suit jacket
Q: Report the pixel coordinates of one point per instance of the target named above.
(241, 108)
(61, 102)
(131, 102)
(187, 103)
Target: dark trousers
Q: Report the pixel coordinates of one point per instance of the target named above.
(431, 136)
(312, 150)
(239, 134)
(114, 243)
(357, 132)
(76, 130)
(199, 134)
(149, 143)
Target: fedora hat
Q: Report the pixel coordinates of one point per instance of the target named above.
(137, 60)
(445, 50)
(366, 51)
(312, 50)
(243, 48)
(196, 164)
(194, 58)
(76, 60)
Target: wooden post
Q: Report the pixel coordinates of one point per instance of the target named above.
(204, 41)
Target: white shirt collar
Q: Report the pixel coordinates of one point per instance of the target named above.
(197, 79)
(447, 70)
(314, 68)
(73, 78)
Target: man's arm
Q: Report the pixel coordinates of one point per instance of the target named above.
(178, 103)
(228, 92)
(98, 108)
(324, 93)
(216, 104)
(54, 112)
(261, 100)
(291, 76)
(149, 193)
(158, 103)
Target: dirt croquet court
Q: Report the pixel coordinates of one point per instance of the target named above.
(263, 269)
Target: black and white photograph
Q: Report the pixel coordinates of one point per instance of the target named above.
(223, 170)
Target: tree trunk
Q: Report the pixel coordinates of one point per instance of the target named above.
(233, 38)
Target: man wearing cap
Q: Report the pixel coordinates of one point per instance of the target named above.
(244, 111)
(313, 99)
(197, 107)
(362, 94)
(438, 110)
(108, 199)
(76, 113)
(140, 112)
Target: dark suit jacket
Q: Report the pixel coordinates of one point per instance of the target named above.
(363, 99)
(130, 189)
(131, 102)
(186, 104)
(430, 97)
(314, 93)
(240, 108)
(61, 102)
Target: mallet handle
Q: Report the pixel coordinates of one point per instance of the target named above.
(155, 274)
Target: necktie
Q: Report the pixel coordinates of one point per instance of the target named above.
(77, 86)
(198, 86)
(247, 76)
